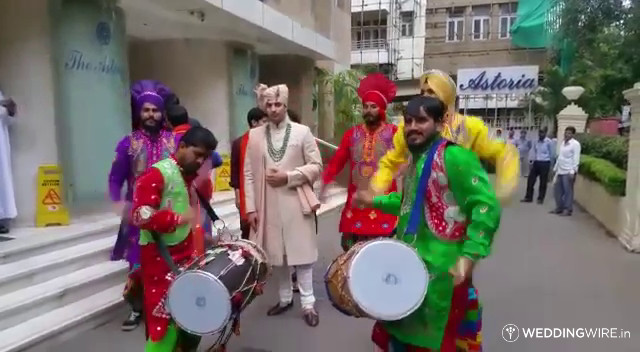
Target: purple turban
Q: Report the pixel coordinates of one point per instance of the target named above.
(147, 91)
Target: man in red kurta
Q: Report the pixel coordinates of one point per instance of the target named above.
(255, 117)
(362, 146)
(151, 192)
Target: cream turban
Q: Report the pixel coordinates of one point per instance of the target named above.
(276, 94)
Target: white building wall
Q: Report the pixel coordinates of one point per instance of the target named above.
(26, 74)
(410, 59)
(371, 5)
(197, 71)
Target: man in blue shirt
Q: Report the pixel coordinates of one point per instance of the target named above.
(524, 147)
(543, 153)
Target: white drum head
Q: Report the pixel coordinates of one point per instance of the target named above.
(388, 279)
(199, 303)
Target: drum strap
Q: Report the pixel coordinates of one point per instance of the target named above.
(416, 210)
(164, 252)
(207, 207)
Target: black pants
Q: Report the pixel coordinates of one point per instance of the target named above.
(541, 169)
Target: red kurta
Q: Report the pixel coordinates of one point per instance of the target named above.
(362, 148)
(155, 272)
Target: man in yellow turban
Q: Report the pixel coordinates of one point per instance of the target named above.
(467, 131)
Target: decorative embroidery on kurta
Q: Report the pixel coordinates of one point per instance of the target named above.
(366, 149)
(444, 217)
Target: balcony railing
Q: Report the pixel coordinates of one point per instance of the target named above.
(369, 44)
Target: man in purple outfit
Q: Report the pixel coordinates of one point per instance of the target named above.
(149, 143)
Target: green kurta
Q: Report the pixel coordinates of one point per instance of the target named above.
(469, 184)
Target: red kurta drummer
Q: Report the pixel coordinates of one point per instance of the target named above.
(161, 205)
(362, 146)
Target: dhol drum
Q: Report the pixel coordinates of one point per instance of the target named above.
(382, 279)
(205, 297)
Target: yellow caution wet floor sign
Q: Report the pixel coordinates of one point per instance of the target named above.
(50, 207)
(223, 174)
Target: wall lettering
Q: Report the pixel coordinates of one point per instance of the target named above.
(77, 61)
(242, 91)
(484, 83)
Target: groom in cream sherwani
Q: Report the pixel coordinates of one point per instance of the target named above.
(282, 162)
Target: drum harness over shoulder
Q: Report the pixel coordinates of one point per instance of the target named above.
(225, 335)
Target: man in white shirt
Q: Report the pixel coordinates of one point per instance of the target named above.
(566, 168)
(7, 197)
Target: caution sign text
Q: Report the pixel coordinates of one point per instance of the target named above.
(50, 207)
(223, 174)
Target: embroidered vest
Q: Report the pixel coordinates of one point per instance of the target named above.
(366, 150)
(441, 211)
(175, 196)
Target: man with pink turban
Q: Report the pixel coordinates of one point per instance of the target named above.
(149, 143)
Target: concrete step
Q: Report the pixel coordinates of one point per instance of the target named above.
(30, 242)
(63, 323)
(37, 269)
(79, 306)
(30, 302)
(35, 241)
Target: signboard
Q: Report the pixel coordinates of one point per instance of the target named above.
(223, 174)
(50, 207)
(492, 101)
(515, 80)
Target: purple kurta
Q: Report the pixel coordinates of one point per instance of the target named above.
(134, 154)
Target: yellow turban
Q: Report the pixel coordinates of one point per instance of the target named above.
(442, 84)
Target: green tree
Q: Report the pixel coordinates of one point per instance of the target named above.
(594, 36)
(548, 99)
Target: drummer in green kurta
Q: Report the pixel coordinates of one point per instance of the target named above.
(448, 211)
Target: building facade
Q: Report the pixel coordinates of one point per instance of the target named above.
(390, 35)
(472, 41)
(68, 64)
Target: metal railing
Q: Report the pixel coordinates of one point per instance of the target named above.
(369, 44)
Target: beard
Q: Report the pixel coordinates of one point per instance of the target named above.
(151, 129)
(191, 168)
(370, 119)
(415, 147)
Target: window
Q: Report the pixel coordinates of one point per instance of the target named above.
(507, 19)
(406, 23)
(455, 29)
(455, 24)
(505, 26)
(481, 26)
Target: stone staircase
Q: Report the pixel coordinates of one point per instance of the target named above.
(58, 282)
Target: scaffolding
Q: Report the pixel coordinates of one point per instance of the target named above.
(389, 34)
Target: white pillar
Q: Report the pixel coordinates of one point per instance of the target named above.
(572, 115)
(630, 236)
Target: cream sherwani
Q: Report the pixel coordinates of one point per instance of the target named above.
(284, 232)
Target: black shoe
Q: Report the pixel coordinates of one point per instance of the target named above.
(132, 321)
(4, 230)
(540, 201)
(526, 200)
(279, 309)
(311, 317)
(565, 213)
(556, 211)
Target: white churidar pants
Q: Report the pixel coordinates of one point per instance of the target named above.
(305, 284)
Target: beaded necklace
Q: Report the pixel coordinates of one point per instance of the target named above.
(277, 154)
